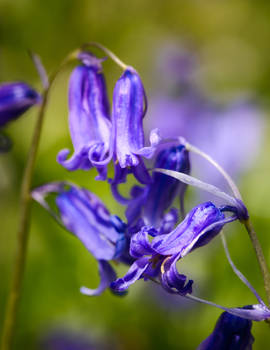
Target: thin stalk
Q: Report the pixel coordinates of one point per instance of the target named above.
(260, 256)
(24, 218)
(238, 272)
(108, 52)
(247, 223)
(226, 176)
(23, 232)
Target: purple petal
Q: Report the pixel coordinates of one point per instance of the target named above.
(230, 333)
(171, 280)
(77, 161)
(89, 123)
(129, 102)
(140, 245)
(84, 215)
(134, 273)
(198, 221)
(148, 151)
(127, 115)
(141, 173)
(135, 205)
(107, 275)
(163, 190)
(15, 99)
(169, 221)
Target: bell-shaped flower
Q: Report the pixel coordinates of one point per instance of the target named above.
(163, 190)
(89, 119)
(151, 202)
(84, 215)
(128, 110)
(158, 258)
(15, 99)
(230, 333)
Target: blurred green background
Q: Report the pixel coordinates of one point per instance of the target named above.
(232, 39)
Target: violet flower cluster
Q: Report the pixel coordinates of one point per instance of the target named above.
(156, 232)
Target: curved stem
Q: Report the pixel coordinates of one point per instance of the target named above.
(247, 223)
(23, 233)
(260, 256)
(238, 272)
(107, 52)
(24, 218)
(226, 176)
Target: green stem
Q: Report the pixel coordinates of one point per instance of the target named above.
(24, 217)
(260, 257)
(250, 229)
(23, 232)
(108, 52)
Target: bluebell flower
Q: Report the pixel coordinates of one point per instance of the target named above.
(158, 258)
(150, 203)
(128, 110)
(84, 215)
(89, 119)
(15, 99)
(230, 333)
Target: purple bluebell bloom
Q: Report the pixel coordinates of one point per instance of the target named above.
(129, 108)
(149, 203)
(84, 215)
(89, 119)
(15, 99)
(158, 258)
(163, 190)
(230, 333)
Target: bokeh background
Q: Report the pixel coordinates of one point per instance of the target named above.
(231, 41)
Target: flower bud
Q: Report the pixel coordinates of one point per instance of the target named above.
(15, 99)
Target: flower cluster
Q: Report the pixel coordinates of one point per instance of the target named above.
(156, 232)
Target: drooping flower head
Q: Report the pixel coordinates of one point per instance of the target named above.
(230, 333)
(15, 99)
(84, 215)
(89, 118)
(129, 108)
(159, 257)
(128, 111)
